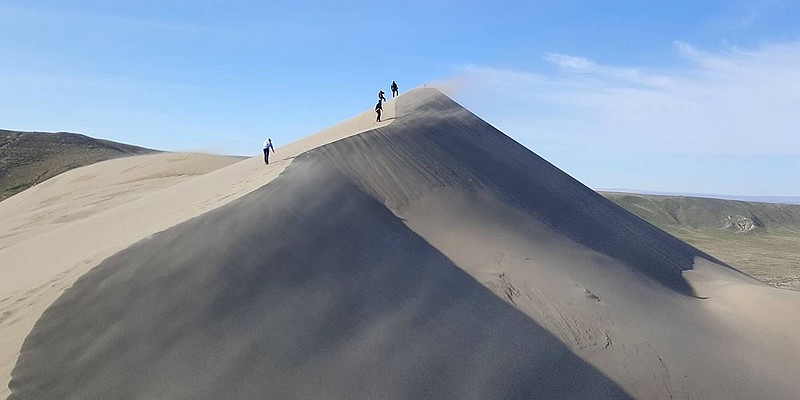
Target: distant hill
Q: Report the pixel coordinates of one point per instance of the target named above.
(762, 239)
(28, 158)
(681, 212)
(751, 199)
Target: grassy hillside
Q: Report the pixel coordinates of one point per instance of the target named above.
(28, 158)
(761, 239)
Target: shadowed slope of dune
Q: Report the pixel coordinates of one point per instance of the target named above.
(439, 144)
(622, 294)
(306, 288)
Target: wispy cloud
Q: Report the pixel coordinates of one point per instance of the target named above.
(71, 18)
(734, 101)
(571, 63)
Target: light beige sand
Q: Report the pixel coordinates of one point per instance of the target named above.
(53, 233)
(77, 195)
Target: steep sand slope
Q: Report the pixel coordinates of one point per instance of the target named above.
(375, 266)
(656, 315)
(53, 233)
(307, 288)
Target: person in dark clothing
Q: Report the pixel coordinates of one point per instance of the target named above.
(378, 110)
(381, 96)
(267, 146)
(395, 90)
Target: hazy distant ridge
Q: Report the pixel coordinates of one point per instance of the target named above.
(755, 199)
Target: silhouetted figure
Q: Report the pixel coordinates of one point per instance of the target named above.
(378, 110)
(395, 90)
(267, 146)
(381, 96)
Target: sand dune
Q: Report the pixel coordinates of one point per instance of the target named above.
(53, 233)
(308, 289)
(428, 257)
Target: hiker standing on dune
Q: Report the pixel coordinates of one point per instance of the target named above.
(395, 90)
(378, 110)
(381, 96)
(267, 146)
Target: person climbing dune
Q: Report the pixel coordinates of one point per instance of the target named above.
(267, 146)
(395, 90)
(378, 110)
(381, 96)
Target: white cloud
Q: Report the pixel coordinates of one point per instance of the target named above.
(579, 64)
(735, 101)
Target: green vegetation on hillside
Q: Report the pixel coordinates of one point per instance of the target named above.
(28, 158)
(760, 239)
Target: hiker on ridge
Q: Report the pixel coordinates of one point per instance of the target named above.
(268, 145)
(378, 110)
(395, 90)
(381, 96)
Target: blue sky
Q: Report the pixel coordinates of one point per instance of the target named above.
(675, 96)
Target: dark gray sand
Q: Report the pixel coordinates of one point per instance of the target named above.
(306, 288)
